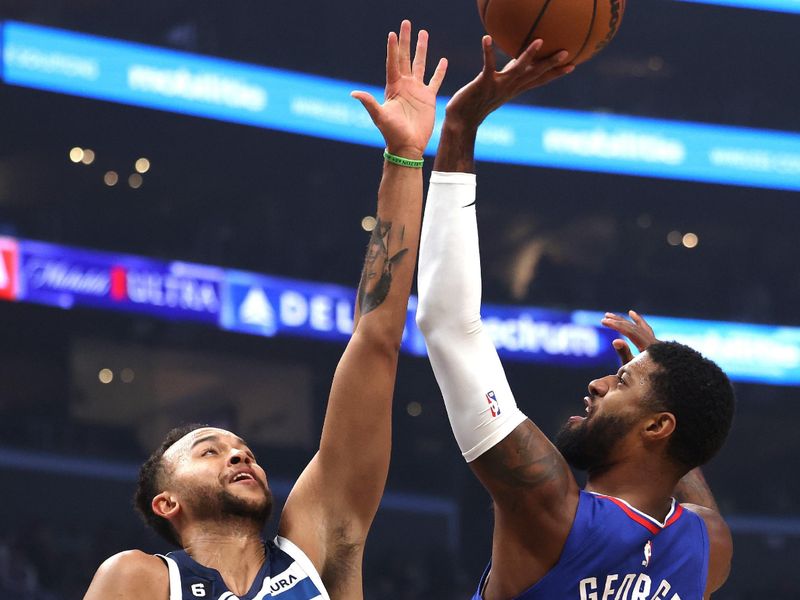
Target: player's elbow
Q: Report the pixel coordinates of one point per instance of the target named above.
(426, 317)
(443, 328)
(380, 340)
(434, 316)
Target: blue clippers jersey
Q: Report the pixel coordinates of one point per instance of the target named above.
(287, 574)
(615, 552)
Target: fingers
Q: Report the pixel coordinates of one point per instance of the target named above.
(638, 331)
(369, 102)
(420, 55)
(615, 322)
(620, 325)
(489, 60)
(392, 58)
(540, 69)
(405, 48)
(438, 76)
(530, 52)
(639, 320)
(623, 351)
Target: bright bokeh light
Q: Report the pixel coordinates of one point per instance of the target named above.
(142, 165)
(368, 223)
(690, 240)
(105, 376)
(76, 154)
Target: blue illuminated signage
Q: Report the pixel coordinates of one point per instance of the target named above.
(790, 6)
(536, 334)
(747, 352)
(67, 277)
(269, 306)
(275, 306)
(128, 73)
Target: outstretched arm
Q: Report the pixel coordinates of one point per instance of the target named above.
(335, 499)
(692, 490)
(534, 493)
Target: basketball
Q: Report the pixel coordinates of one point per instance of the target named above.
(582, 27)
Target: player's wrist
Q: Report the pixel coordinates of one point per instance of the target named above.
(460, 125)
(405, 151)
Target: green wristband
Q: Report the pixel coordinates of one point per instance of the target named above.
(403, 162)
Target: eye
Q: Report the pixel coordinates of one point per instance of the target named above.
(208, 451)
(620, 379)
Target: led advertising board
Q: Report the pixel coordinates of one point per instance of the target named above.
(128, 73)
(264, 305)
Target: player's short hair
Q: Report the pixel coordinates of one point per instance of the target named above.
(699, 394)
(151, 481)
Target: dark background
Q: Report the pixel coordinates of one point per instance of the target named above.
(290, 205)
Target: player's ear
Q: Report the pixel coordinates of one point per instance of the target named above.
(165, 505)
(659, 426)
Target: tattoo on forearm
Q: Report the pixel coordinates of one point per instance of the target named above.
(376, 279)
(521, 460)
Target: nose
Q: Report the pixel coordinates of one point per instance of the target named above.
(238, 456)
(598, 387)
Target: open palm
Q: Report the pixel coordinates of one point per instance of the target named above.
(407, 114)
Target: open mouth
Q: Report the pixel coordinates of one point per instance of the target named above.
(587, 410)
(243, 476)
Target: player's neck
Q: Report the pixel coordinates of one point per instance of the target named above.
(237, 551)
(647, 487)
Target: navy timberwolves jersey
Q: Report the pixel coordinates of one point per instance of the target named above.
(287, 574)
(615, 552)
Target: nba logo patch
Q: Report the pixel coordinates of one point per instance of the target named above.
(494, 405)
(648, 553)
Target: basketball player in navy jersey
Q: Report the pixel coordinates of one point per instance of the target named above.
(204, 490)
(641, 432)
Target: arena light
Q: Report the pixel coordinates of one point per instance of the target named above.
(142, 165)
(135, 74)
(110, 178)
(88, 156)
(76, 154)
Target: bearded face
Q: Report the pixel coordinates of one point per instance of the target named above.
(216, 478)
(210, 502)
(587, 445)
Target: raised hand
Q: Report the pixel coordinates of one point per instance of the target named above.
(491, 88)
(637, 330)
(407, 114)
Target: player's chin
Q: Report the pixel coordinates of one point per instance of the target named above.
(250, 489)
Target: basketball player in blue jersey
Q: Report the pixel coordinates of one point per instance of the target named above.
(204, 490)
(641, 432)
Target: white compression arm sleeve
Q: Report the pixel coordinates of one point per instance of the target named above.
(477, 396)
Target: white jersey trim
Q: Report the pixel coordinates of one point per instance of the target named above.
(308, 567)
(175, 589)
(644, 515)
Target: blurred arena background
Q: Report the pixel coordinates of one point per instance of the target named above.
(244, 330)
